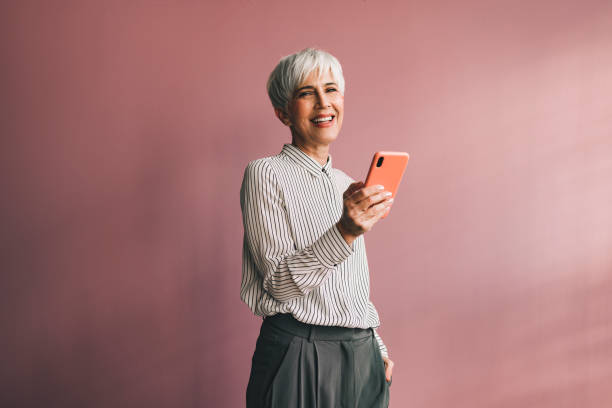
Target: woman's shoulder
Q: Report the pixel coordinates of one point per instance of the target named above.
(264, 168)
(275, 164)
(258, 168)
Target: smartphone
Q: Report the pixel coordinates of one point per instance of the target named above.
(387, 168)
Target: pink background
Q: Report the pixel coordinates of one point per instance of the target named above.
(126, 126)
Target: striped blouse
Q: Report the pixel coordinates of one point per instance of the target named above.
(294, 258)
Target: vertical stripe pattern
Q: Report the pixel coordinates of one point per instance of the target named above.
(294, 258)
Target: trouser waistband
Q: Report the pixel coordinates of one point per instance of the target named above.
(288, 323)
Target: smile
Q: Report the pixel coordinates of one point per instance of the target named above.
(322, 119)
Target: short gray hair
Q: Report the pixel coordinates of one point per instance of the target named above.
(293, 69)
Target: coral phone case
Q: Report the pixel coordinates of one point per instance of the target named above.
(387, 168)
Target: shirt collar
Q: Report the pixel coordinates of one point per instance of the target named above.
(305, 161)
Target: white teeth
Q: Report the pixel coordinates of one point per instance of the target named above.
(318, 120)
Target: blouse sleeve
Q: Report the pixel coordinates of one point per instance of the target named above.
(286, 272)
(381, 346)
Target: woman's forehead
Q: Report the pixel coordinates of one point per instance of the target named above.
(318, 77)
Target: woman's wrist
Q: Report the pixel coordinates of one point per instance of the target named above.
(348, 237)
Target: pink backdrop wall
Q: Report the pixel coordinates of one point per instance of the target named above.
(126, 127)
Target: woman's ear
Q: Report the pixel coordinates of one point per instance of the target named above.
(282, 116)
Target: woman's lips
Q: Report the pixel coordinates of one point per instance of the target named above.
(325, 123)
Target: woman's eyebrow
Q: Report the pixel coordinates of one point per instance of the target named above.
(304, 87)
(312, 87)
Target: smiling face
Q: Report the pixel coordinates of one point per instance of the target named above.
(315, 112)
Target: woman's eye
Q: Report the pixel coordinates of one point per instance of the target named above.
(331, 89)
(302, 94)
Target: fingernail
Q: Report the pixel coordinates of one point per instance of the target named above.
(380, 187)
(390, 200)
(387, 193)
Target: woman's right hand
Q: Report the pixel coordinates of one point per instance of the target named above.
(363, 207)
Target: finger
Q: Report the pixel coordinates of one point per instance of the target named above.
(378, 210)
(369, 202)
(366, 192)
(374, 199)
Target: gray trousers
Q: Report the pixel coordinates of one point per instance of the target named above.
(297, 365)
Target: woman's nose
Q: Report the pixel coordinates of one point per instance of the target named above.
(323, 99)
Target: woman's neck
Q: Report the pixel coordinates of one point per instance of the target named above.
(320, 153)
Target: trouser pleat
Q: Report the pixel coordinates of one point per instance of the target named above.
(307, 382)
(317, 375)
(348, 375)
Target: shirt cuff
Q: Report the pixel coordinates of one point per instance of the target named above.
(331, 249)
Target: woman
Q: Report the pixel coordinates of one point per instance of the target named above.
(304, 262)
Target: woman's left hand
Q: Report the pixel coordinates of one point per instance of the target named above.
(388, 368)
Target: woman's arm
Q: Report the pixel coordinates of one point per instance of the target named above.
(385, 356)
(286, 272)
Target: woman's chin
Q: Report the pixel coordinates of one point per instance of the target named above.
(320, 137)
(327, 137)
